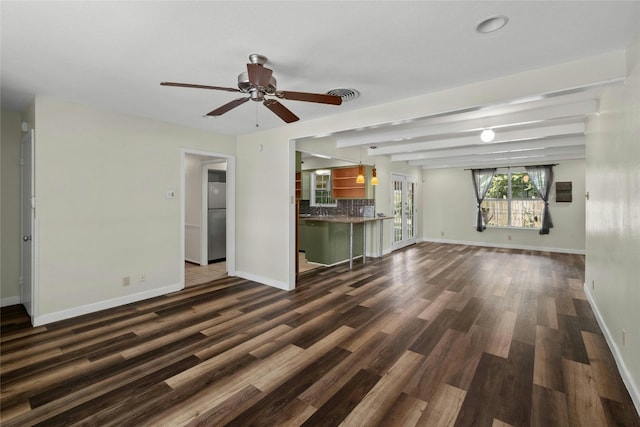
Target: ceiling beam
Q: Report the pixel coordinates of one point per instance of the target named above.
(509, 163)
(516, 135)
(541, 143)
(543, 156)
(494, 119)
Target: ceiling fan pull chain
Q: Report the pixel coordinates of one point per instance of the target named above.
(257, 122)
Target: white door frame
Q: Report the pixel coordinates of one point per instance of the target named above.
(406, 240)
(231, 208)
(28, 226)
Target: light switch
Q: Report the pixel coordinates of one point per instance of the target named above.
(171, 194)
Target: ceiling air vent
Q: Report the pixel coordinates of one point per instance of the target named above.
(344, 93)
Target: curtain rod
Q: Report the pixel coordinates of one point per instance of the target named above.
(513, 166)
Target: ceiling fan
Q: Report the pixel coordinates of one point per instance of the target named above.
(259, 82)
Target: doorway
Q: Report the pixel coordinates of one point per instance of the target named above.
(27, 224)
(403, 197)
(198, 168)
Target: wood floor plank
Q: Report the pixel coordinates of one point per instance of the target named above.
(431, 373)
(548, 408)
(583, 401)
(602, 362)
(373, 407)
(500, 336)
(432, 334)
(336, 409)
(517, 380)
(320, 392)
(547, 370)
(443, 409)
(267, 410)
(480, 405)
(405, 411)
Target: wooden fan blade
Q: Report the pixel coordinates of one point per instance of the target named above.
(259, 75)
(228, 106)
(309, 97)
(280, 110)
(228, 89)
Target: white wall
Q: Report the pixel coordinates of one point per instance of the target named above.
(266, 245)
(193, 208)
(10, 208)
(613, 219)
(449, 207)
(102, 212)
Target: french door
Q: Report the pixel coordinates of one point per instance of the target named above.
(403, 196)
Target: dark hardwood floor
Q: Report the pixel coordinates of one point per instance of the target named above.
(431, 335)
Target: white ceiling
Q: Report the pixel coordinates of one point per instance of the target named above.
(114, 54)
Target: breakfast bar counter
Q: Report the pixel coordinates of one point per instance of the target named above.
(351, 220)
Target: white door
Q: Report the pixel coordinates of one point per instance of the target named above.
(403, 196)
(27, 214)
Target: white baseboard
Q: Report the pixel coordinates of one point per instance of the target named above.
(103, 305)
(264, 280)
(632, 386)
(7, 301)
(506, 246)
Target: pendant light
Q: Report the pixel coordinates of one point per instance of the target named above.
(360, 178)
(374, 176)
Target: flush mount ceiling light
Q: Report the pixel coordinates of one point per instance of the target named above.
(492, 24)
(487, 135)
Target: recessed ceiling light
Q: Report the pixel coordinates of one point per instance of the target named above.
(492, 24)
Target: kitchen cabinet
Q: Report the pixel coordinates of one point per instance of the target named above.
(302, 235)
(306, 185)
(328, 243)
(298, 186)
(346, 187)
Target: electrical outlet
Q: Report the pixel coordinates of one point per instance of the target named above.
(442, 234)
(509, 237)
(142, 278)
(593, 284)
(624, 337)
(126, 281)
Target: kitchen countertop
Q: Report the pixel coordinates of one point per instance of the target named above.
(344, 219)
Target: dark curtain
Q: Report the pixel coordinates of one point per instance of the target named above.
(542, 178)
(481, 182)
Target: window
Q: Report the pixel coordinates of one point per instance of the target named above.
(321, 189)
(512, 201)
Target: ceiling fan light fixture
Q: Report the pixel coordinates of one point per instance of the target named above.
(487, 135)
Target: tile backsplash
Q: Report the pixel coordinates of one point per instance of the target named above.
(351, 207)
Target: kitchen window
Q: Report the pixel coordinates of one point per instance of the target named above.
(321, 189)
(512, 202)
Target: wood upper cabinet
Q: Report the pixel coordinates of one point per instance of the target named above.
(345, 185)
(298, 186)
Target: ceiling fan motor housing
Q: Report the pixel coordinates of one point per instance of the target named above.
(245, 85)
